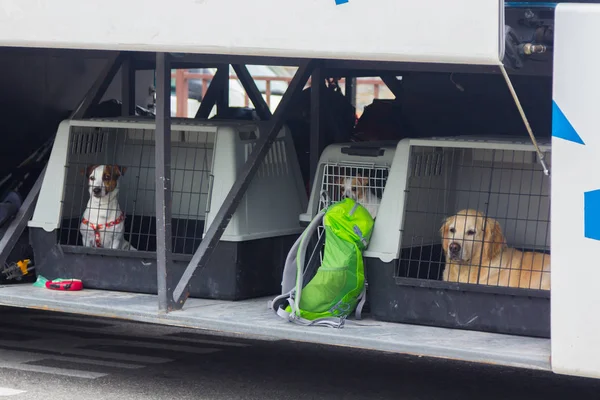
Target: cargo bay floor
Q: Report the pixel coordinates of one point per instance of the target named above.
(252, 319)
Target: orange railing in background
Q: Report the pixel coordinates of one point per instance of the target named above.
(182, 78)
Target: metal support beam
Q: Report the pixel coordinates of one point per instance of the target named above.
(375, 68)
(18, 224)
(212, 93)
(262, 108)
(315, 121)
(235, 195)
(213, 60)
(94, 95)
(350, 90)
(127, 87)
(223, 97)
(393, 84)
(163, 180)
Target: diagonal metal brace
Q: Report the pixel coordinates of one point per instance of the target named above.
(235, 195)
(19, 223)
(94, 95)
(394, 85)
(262, 108)
(211, 97)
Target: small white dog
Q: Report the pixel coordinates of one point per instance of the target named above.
(103, 222)
(357, 188)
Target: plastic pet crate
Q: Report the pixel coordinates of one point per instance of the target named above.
(436, 179)
(427, 181)
(206, 158)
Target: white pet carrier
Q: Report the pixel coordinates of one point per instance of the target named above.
(206, 159)
(427, 181)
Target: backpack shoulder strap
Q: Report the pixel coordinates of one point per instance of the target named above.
(294, 269)
(361, 303)
(362, 298)
(329, 322)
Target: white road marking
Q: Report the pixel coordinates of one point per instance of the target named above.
(10, 392)
(208, 341)
(102, 363)
(73, 350)
(118, 356)
(12, 359)
(51, 370)
(84, 352)
(173, 347)
(22, 361)
(113, 330)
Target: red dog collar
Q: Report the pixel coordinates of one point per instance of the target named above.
(97, 228)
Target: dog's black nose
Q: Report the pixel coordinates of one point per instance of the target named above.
(96, 190)
(454, 247)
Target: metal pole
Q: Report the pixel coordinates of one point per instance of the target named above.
(350, 90)
(237, 191)
(127, 87)
(163, 180)
(315, 122)
(541, 157)
(223, 99)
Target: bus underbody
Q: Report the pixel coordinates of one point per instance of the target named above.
(160, 283)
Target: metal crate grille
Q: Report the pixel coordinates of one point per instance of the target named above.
(131, 151)
(363, 183)
(507, 197)
(372, 180)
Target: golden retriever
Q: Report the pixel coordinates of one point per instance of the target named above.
(476, 252)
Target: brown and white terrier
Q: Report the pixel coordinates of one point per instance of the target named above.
(357, 188)
(103, 222)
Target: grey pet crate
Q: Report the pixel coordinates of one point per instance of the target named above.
(428, 180)
(206, 158)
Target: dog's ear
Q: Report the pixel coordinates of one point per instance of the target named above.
(444, 227)
(494, 239)
(444, 232)
(116, 171)
(362, 181)
(87, 171)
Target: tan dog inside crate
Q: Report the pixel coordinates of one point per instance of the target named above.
(476, 252)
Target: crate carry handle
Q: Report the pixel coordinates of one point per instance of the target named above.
(211, 179)
(363, 151)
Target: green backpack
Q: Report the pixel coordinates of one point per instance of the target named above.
(338, 287)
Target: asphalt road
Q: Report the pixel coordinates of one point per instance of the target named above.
(55, 356)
